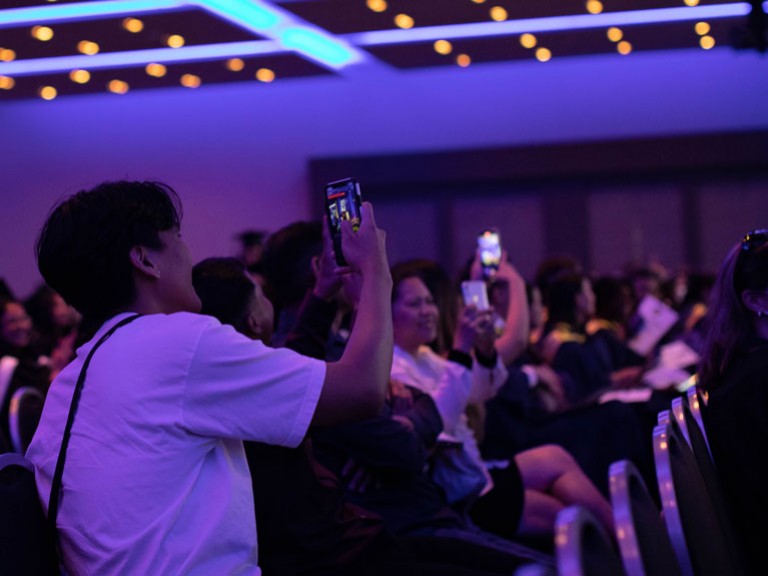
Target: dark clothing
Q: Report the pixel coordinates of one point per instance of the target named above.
(736, 421)
(596, 435)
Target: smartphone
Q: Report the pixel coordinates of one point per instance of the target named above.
(342, 202)
(489, 244)
(475, 292)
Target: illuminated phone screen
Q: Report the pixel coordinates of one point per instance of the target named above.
(489, 244)
(343, 202)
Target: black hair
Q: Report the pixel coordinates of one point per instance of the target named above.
(563, 293)
(83, 248)
(287, 262)
(224, 289)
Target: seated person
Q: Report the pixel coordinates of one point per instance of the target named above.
(156, 480)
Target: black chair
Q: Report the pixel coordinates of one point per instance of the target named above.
(24, 413)
(699, 537)
(582, 547)
(644, 544)
(26, 545)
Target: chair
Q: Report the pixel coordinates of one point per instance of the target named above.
(698, 536)
(26, 545)
(582, 546)
(694, 404)
(24, 413)
(536, 570)
(644, 544)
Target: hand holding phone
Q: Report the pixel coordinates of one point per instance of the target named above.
(342, 202)
(489, 247)
(475, 292)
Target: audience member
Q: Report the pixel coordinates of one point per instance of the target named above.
(733, 377)
(156, 480)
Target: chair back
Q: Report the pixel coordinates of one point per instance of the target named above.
(698, 536)
(24, 413)
(582, 546)
(694, 405)
(644, 544)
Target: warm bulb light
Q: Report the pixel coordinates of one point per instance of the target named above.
(702, 28)
(707, 42)
(235, 64)
(80, 76)
(498, 14)
(404, 21)
(133, 25)
(463, 60)
(594, 6)
(265, 75)
(624, 47)
(7, 55)
(543, 54)
(117, 86)
(175, 41)
(156, 70)
(47, 92)
(528, 40)
(7, 83)
(443, 47)
(42, 33)
(615, 34)
(478, 1)
(190, 81)
(691, 2)
(87, 47)
(377, 5)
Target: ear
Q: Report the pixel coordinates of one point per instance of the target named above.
(315, 263)
(142, 262)
(754, 301)
(253, 326)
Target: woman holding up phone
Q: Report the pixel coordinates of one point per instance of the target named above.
(522, 496)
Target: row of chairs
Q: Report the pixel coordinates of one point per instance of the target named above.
(692, 535)
(24, 411)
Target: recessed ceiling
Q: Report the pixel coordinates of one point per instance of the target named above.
(58, 48)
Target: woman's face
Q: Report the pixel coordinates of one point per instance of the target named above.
(414, 314)
(15, 325)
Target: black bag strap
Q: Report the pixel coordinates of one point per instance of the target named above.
(53, 502)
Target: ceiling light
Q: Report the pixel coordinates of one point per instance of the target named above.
(377, 5)
(190, 81)
(80, 76)
(6, 83)
(543, 54)
(175, 41)
(443, 47)
(615, 34)
(498, 14)
(156, 70)
(594, 6)
(117, 86)
(403, 21)
(624, 47)
(478, 1)
(528, 40)
(707, 42)
(133, 25)
(7, 55)
(702, 28)
(691, 2)
(265, 75)
(87, 47)
(463, 60)
(47, 92)
(235, 64)
(42, 33)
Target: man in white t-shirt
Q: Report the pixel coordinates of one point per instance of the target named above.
(156, 480)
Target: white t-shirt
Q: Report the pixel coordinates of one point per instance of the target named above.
(156, 481)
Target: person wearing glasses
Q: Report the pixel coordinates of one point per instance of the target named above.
(733, 381)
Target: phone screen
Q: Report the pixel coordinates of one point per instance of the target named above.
(489, 243)
(475, 292)
(343, 202)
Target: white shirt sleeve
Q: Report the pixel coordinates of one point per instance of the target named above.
(240, 388)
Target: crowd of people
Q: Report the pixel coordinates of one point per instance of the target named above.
(296, 416)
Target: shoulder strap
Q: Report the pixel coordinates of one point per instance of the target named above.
(53, 502)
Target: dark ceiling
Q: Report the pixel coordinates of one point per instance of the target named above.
(41, 42)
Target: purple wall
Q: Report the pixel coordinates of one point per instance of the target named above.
(238, 154)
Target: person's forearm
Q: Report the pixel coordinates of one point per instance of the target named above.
(515, 337)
